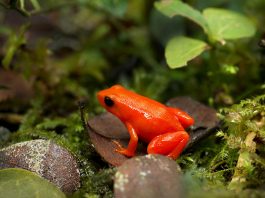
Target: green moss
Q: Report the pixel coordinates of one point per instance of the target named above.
(233, 159)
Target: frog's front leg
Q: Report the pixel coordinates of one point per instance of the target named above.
(130, 151)
(170, 144)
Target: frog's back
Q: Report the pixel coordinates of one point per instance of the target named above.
(138, 104)
(149, 117)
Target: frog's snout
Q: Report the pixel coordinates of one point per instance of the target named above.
(100, 97)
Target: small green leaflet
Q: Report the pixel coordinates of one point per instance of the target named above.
(172, 8)
(226, 24)
(180, 50)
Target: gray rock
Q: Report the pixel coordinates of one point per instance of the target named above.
(45, 158)
(149, 176)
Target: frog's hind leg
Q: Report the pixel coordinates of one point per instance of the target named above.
(170, 144)
(183, 117)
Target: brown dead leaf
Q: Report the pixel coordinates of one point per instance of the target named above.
(101, 125)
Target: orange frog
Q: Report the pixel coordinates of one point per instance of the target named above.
(162, 127)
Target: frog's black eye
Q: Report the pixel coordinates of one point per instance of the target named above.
(108, 101)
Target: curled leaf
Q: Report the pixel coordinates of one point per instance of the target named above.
(101, 124)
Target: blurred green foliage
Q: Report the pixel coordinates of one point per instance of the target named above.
(68, 50)
(218, 24)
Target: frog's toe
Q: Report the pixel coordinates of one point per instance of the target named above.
(125, 152)
(117, 144)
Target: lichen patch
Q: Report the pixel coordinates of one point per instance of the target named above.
(121, 181)
(32, 153)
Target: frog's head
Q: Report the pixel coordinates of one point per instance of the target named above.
(110, 99)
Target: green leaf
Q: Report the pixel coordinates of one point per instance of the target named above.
(15, 182)
(180, 50)
(172, 8)
(226, 24)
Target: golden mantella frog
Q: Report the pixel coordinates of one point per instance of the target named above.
(162, 127)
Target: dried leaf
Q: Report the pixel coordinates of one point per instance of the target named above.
(106, 148)
(101, 124)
